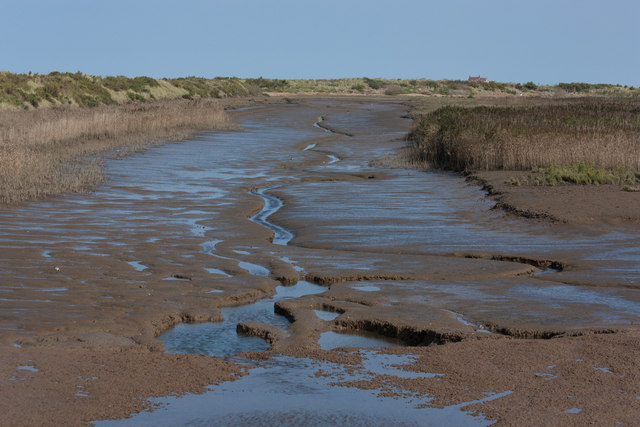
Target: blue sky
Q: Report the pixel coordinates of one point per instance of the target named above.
(512, 41)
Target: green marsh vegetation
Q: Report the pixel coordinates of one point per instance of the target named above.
(29, 91)
(580, 141)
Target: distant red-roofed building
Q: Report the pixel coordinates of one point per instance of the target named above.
(477, 79)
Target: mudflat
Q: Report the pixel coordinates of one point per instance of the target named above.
(569, 203)
(524, 321)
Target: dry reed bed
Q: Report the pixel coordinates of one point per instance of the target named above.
(597, 132)
(50, 151)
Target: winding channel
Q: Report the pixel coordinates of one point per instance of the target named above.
(271, 205)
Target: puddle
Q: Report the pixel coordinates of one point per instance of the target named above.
(255, 269)
(477, 328)
(215, 291)
(303, 399)
(319, 126)
(546, 272)
(309, 147)
(216, 271)
(326, 315)
(53, 290)
(387, 364)
(366, 288)
(242, 252)
(332, 340)
(546, 375)
(573, 411)
(293, 263)
(210, 246)
(220, 338)
(137, 265)
(27, 368)
(334, 159)
(251, 268)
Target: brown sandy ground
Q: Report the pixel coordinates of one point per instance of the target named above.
(570, 203)
(593, 374)
(109, 378)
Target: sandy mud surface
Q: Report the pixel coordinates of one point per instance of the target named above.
(256, 262)
(575, 204)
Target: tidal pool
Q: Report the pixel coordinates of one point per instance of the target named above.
(286, 391)
(221, 339)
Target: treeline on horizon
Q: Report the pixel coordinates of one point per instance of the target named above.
(28, 91)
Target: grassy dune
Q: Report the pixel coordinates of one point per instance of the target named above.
(590, 138)
(28, 91)
(55, 150)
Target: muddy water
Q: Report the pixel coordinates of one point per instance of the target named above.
(207, 231)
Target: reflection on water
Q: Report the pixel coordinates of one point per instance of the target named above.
(286, 391)
(220, 338)
(326, 315)
(331, 340)
(437, 213)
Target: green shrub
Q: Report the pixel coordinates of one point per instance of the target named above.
(374, 84)
(135, 96)
(393, 90)
(583, 173)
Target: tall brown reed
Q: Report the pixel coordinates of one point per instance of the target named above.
(603, 133)
(54, 150)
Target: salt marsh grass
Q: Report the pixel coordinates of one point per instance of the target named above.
(602, 133)
(55, 150)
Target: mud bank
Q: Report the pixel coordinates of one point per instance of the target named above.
(574, 204)
(541, 317)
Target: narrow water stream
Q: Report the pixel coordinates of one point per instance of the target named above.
(271, 205)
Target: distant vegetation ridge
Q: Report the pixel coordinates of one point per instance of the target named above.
(28, 91)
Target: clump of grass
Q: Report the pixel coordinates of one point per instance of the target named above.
(596, 132)
(583, 173)
(55, 150)
(517, 181)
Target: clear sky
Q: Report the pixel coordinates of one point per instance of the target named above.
(505, 40)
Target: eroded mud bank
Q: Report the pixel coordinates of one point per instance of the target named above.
(211, 229)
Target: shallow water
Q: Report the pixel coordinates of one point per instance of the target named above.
(265, 398)
(220, 338)
(272, 204)
(326, 315)
(331, 340)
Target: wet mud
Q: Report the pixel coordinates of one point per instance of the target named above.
(278, 253)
